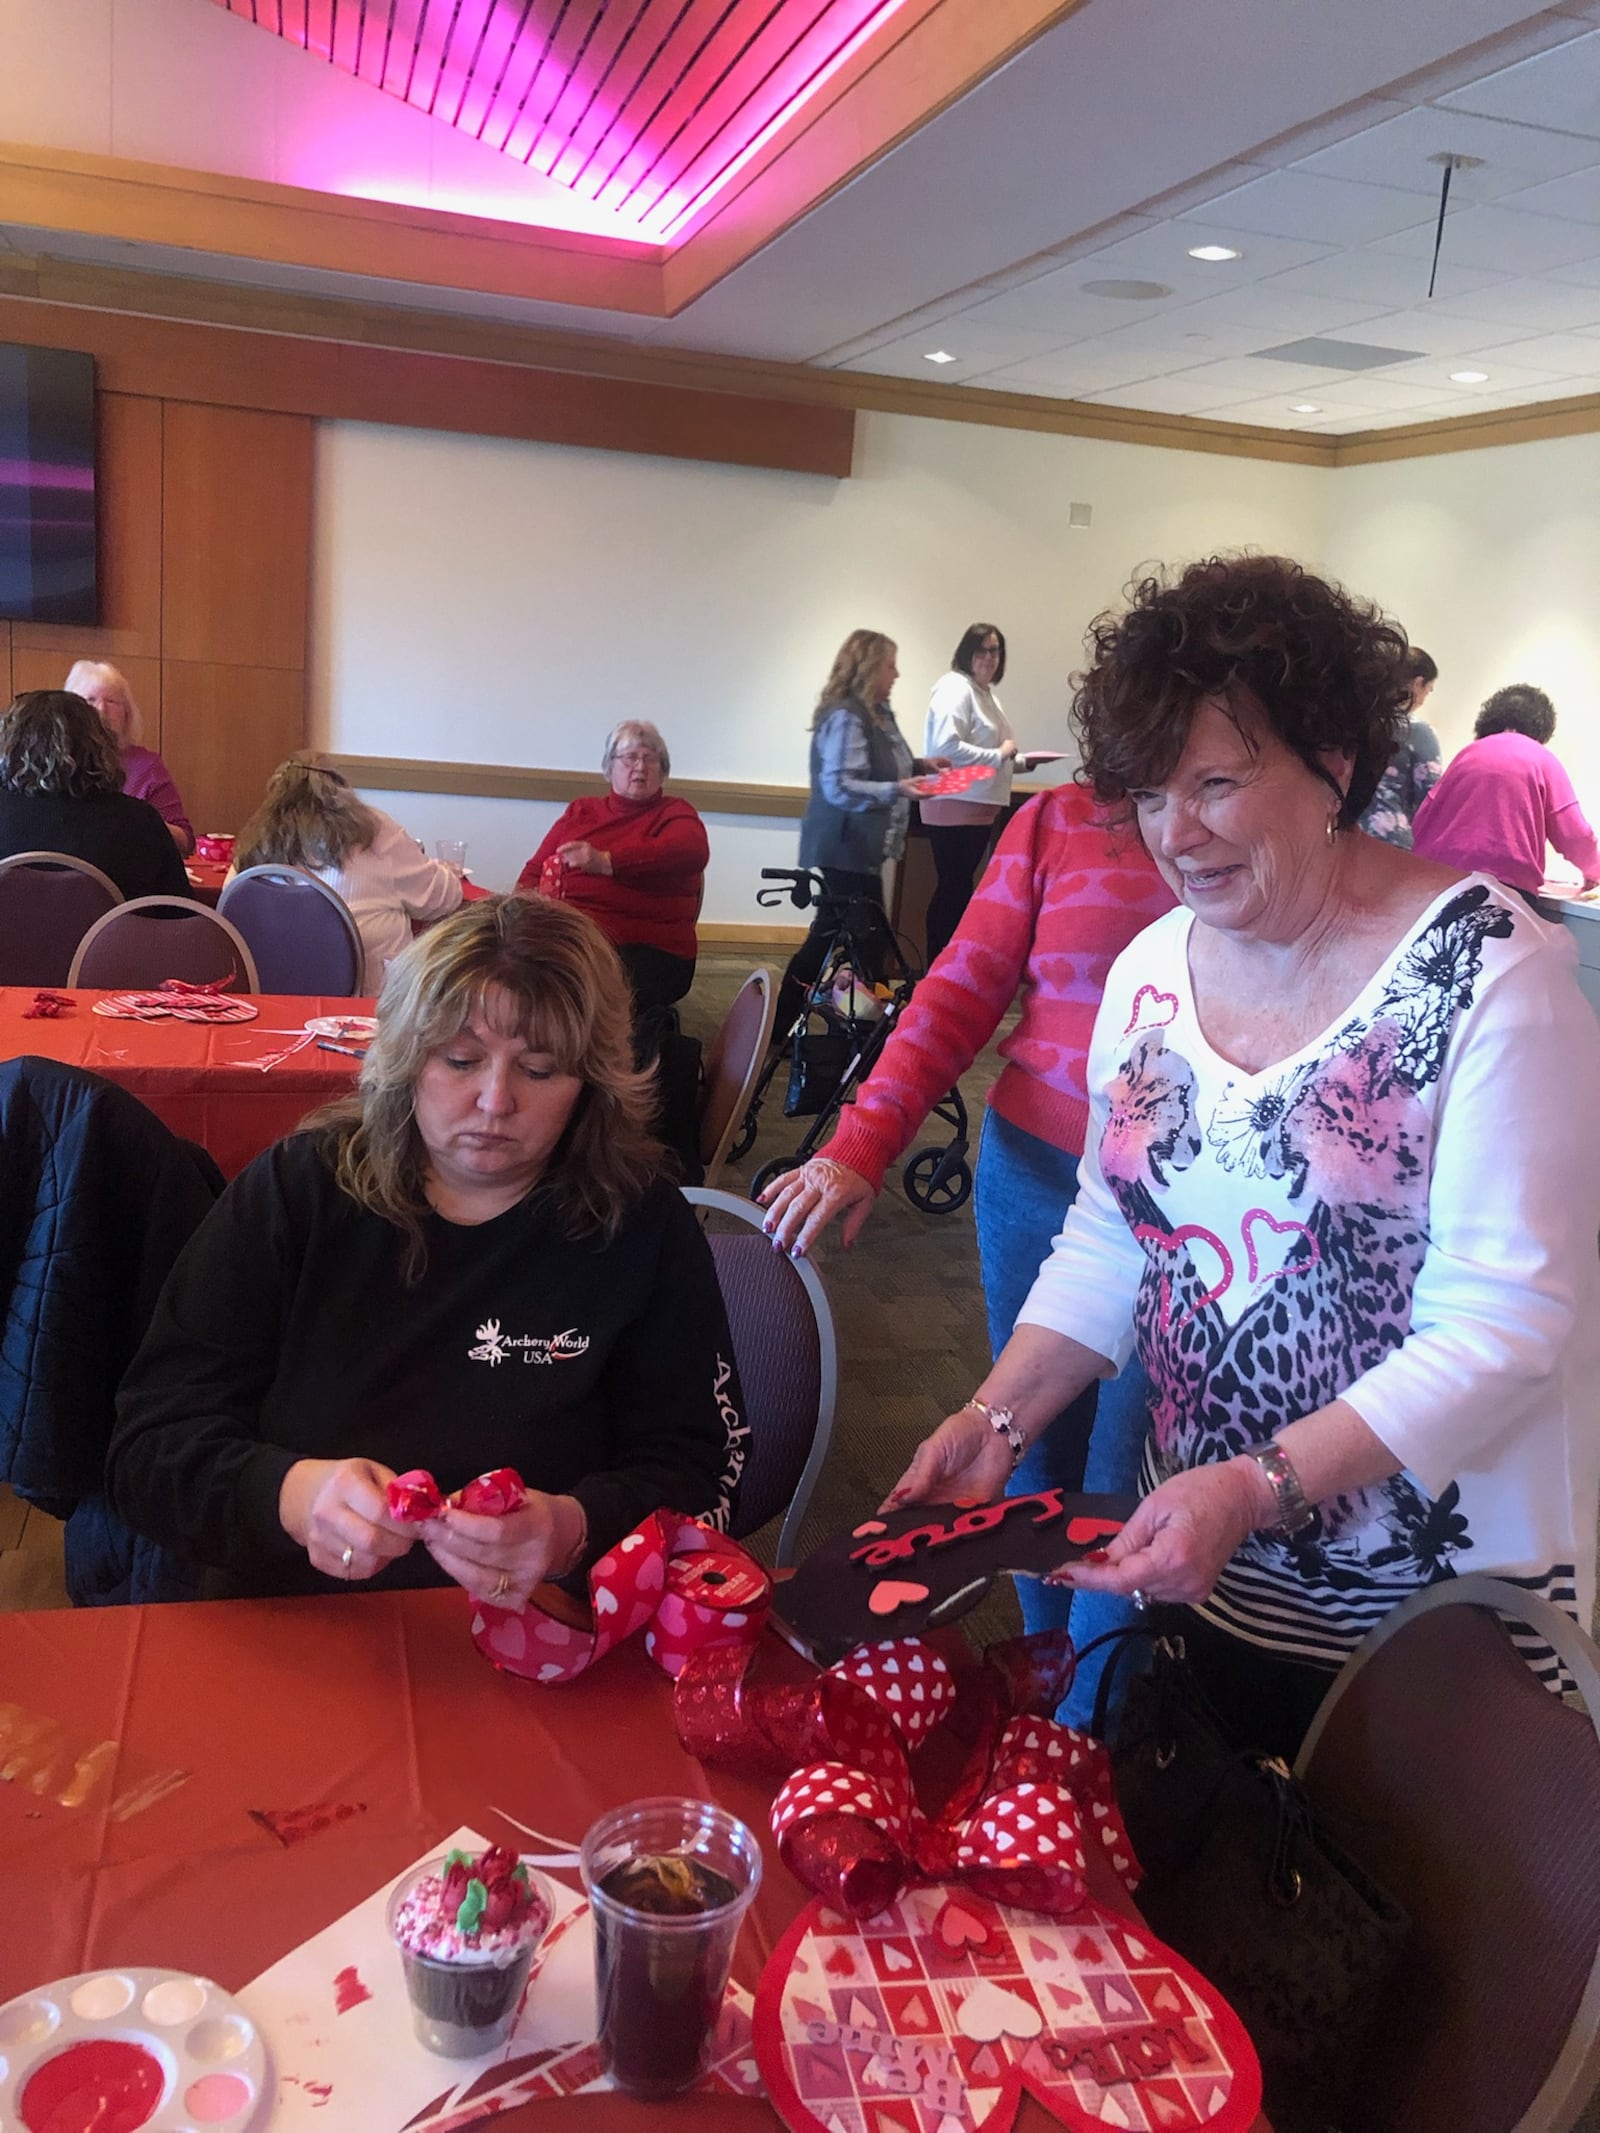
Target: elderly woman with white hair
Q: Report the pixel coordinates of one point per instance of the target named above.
(144, 775)
(635, 859)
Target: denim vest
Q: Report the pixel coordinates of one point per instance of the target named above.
(842, 837)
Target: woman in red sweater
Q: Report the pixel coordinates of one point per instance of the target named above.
(1064, 894)
(635, 859)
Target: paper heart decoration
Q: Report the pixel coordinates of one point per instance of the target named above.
(1255, 1259)
(1101, 2026)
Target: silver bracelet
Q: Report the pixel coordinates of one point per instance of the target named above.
(1004, 1424)
(1294, 1513)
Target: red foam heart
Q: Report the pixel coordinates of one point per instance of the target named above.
(890, 1593)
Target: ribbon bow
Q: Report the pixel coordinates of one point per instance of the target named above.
(688, 1587)
(849, 1822)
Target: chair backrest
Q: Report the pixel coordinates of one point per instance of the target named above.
(48, 902)
(143, 943)
(1472, 1793)
(301, 932)
(732, 1064)
(788, 1363)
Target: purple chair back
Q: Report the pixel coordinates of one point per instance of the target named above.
(142, 944)
(48, 902)
(301, 934)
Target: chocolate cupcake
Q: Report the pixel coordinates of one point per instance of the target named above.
(467, 1928)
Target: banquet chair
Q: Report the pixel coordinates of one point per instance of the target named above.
(731, 1066)
(1472, 1794)
(300, 931)
(143, 943)
(788, 1362)
(48, 902)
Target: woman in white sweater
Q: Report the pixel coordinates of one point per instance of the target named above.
(966, 725)
(310, 818)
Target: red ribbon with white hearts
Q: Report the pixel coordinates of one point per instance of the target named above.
(688, 1587)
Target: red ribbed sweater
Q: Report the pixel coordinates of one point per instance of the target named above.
(1063, 895)
(659, 850)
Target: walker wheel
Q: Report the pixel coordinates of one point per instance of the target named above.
(927, 1189)
(775, 1169)
(745, 1139)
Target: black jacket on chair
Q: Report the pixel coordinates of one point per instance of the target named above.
(97, 1198)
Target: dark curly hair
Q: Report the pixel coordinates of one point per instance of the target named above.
(53, 741)
(1521, 708)
(1328, 670)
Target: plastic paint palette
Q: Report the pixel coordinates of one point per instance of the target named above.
(116, 2051)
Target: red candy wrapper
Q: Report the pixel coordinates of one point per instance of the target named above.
(414, 1497)
(47, 1006)
(493, 1495)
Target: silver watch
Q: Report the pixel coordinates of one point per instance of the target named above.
(1294, 1513)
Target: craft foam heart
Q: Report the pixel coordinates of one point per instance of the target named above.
(1083, 2017)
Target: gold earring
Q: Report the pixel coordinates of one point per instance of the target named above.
(1333, 828)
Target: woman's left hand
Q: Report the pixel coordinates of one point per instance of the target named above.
(585, 858)
(502, 1559)
(1175, 1544)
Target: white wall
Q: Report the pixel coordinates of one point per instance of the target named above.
(1492, 560)
(484, 601)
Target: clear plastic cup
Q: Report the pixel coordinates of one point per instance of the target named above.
(451, 851)
(659, 1979)
(463, 2009)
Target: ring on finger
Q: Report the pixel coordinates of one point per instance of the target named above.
(346, 1559)
(501, 1586)
(1140, 1598)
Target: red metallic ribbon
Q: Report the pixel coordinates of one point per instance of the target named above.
(688, 1587)
(849, 1823)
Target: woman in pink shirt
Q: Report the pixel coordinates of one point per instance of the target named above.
(144, 775)
(1505, 797)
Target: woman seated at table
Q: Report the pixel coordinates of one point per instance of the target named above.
(1340, 1189)
(310, 818)
(61, 791)
(472, 1263)
(635, 859)
(145, 776)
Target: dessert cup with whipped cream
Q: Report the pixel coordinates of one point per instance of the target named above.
(467, 1926)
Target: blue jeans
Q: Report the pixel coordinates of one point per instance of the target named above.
(1023, 1189)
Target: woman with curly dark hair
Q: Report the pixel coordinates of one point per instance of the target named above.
(61, 791)
(473, 1263)
(1506, 796)
(1337, 1189)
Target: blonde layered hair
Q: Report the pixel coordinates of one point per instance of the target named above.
(854, 665)
(86, 673)
(543, 972)
(309, 818)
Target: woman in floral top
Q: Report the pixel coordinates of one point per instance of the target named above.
(1332, 1190)
(1416, 766)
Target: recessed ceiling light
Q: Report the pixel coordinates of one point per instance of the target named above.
(1469, 377)
(1212, 253)
(1128, 292)
(940, 355)
(1304, 407)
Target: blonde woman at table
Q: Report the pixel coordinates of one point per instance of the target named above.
(61, 791)
(473, 1263)
(145, 776)
(310, 818)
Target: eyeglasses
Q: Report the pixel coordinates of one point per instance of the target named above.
(991, 650)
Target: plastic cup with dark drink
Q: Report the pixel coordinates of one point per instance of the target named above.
(669, 1882)
(466, 1926)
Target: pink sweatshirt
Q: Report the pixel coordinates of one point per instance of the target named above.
(1495, 808)
(1064, 894)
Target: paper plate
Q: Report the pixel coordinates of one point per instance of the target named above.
(175, 1006)
(353, 1029)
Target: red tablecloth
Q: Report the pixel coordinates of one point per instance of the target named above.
(375, 1699)
(198, 1077)
(206, 877)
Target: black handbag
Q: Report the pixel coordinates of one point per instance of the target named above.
(1246, 1881)
(817, 1063)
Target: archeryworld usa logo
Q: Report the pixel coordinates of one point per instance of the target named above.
(497, 1347)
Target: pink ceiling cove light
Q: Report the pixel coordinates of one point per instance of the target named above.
(635, 114)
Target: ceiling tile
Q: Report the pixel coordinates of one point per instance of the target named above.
(1289, 203)
(1502, 377)
(1545, 305)
(1381, 279)
(1574, 355)
(1267, 311)
(1435, 332)
(1184, 394)
(1500, 239)
(1162, 252)
(1058, 299)
(1249, 377)
(1075, 373)
(1397, 153)
(1576, 198)
(1559, 88)
(974, 351)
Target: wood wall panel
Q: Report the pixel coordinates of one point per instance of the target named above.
(235, 536)
(225, 729)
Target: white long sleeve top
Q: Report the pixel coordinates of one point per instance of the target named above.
(386, 886)
(1403, 1215)
(966, 723)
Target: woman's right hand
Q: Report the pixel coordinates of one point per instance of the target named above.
(1008, 751)
(963, 1458)
(803, 1202)
(329, 1505)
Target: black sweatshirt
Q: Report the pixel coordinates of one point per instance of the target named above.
(287, 1332)
(120, 835)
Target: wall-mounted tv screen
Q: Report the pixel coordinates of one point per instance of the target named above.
(47, 497)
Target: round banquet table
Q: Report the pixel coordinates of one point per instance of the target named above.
(375, 1701)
